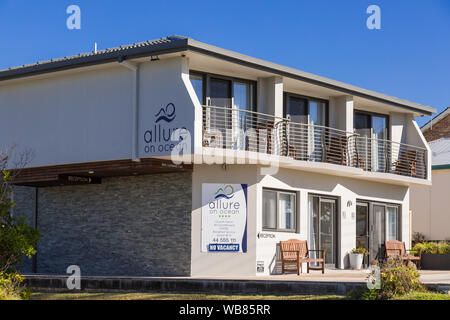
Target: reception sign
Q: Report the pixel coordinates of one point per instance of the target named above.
(224, 217)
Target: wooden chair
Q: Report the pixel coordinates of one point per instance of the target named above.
(295, 252)
(336, 150)
(406, 164)
(397, 249)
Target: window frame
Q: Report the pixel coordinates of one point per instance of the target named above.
(371, 115)
(277, 216)
(206, 76)
(287, 95)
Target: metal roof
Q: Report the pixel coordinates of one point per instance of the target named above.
(179, 43)
(440, 150)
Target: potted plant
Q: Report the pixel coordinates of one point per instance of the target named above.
(357, 257)
(434, 256)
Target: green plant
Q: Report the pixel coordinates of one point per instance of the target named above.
(17, 239)
(418, 237)
(432, 248)
(398, 279)
(360, 251)
(11, 287)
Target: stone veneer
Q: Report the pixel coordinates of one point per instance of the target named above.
(125, 226)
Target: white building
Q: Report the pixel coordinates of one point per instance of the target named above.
(306, 157)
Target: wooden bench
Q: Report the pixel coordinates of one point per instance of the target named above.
(397, 249)
(295, 252)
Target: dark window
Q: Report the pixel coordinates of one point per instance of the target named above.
(198, 84)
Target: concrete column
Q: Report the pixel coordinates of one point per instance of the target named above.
(270, 96)
(341, 113)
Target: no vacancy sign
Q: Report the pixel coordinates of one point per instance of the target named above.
(224, 217)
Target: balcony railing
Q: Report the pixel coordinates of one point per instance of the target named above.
(236, 129)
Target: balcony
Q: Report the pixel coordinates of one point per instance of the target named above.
(237, 129)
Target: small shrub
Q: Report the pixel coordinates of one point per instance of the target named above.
(11, 287)
(398, 279)
(432, 248)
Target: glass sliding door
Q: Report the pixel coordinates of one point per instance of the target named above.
(379, 135)
(219, 95)
(316, 121)
(391, 223)
(375, 224)
(362, 227)
(371, 147)
(242, 121)
(306, 139)
(377, 231)
(322, 228)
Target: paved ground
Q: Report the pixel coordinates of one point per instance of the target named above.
(330, 275)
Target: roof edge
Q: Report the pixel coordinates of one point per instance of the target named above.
(264, 65)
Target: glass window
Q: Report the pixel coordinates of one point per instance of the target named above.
(279, 210)
(391, 233)
(243, 96)
(269, 209)
(197, 83)
(317, 113)
(286, 216)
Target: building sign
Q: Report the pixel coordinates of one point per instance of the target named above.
(158, 137)
(224, 217)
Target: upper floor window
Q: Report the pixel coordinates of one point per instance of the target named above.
(371, 125)
(197, 83)
(220, 91)
(303, 109)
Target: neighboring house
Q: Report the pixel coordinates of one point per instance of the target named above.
(306, 157)
(430, 205)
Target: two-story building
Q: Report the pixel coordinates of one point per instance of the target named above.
(176, 157)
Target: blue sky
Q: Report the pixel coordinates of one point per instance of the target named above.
(408, 58)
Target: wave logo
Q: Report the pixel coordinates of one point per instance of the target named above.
(166, 114)
(227, 192)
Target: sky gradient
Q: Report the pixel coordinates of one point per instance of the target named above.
(408, 58)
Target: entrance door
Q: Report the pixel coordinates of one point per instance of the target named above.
(323, 227)
(377, 231)
(362, 227)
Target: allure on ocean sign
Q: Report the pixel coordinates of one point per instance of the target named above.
(224, 217)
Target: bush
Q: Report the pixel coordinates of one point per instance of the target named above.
(398, 279)
(11, 287)
(17, 239)
(432, 248)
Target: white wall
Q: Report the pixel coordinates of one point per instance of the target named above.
(77, 117)
(223, 263)
(85, 116)
(162, 83)
(264, 249)
(430, 207)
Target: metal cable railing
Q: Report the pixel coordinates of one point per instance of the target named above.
(235, 129)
